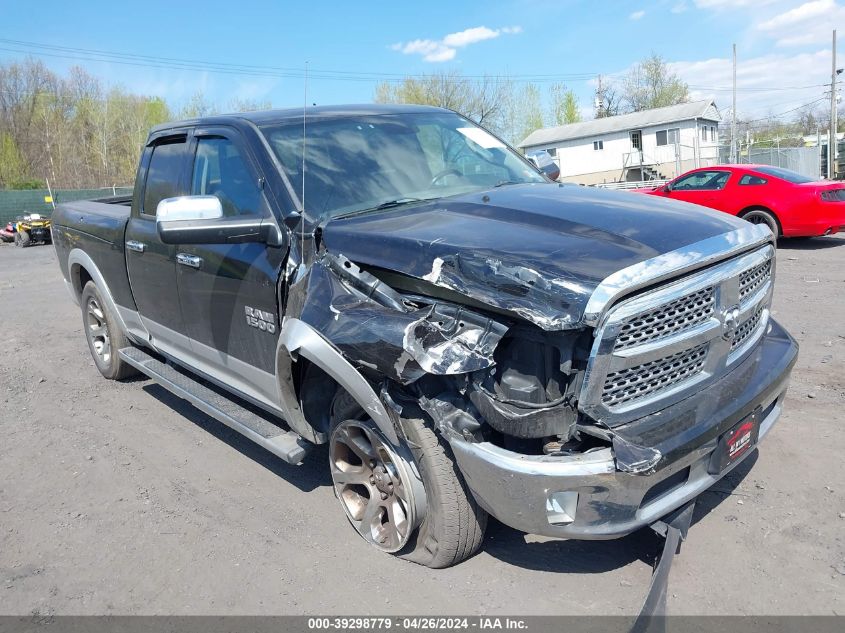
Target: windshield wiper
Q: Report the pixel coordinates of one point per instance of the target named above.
(502, 183)
(389, 204)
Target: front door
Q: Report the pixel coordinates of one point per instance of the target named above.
(704, 187)
(150, 262)
(228, 291)
(636, 141)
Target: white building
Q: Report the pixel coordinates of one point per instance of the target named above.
(659, 143)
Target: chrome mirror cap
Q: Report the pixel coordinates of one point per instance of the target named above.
(182, 208)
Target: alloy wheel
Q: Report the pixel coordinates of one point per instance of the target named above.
(375, 485)
(97, 330)
(756, 217)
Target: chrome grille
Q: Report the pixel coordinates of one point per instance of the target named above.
(651, 378)
(657, 347)
(675, 316)
(751, 280)
(746, 329)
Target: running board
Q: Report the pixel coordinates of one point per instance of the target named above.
(285, 444)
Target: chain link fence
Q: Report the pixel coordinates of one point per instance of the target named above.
(14, 203)
(805, 160)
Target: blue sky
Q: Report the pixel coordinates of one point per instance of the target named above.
(783, 47)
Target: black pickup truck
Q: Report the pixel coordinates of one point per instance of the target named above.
(465, 335)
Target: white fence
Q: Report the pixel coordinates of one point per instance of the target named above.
(639, 184)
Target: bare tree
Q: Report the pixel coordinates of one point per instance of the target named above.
(69, 130)
(650, 84)
(482, 100)
(610, 102)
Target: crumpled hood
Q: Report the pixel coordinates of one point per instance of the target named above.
(537, 251)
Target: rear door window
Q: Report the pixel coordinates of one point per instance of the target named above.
(164, 174)
(750, 179)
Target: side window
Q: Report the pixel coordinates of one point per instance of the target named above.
(702, 180)
(163, 173)
(220, 170)
(748, 179)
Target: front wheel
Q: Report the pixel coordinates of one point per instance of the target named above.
(409, 500)
(22, 239)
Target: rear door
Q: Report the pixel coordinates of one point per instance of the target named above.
(149, 262)
(705, 187)
(228, 292)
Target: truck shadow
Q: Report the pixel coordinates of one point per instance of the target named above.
(501, 542)
(310, 474)
(596, 557)
(809, 243)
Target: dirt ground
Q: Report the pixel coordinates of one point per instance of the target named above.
(118, 498)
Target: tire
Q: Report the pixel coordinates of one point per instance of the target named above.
(763, 216)
(22, 239)
(453, 524)
(103, 334)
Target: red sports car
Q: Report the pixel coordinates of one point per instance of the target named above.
(791, 205)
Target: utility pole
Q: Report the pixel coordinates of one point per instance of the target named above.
(599, 102)
(831, 142)
(733, 115)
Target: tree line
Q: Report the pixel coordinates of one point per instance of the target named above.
(78, 133)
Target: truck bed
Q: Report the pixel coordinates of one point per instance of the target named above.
(97, 228)
(105, 218)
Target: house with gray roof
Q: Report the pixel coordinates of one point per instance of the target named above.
(651, 144)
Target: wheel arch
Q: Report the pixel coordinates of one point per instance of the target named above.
(299, 346)
(82, 269)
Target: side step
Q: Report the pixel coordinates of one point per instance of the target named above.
(285, 444)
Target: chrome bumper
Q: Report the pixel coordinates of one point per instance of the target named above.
(516, 488)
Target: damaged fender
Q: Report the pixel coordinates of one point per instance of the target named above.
(298, 338)
(384, 333)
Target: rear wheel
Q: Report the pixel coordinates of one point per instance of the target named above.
(409, 500)
(762, 216)
(103, 334)
(22, 239)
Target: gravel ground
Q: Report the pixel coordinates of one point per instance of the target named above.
(118, 498)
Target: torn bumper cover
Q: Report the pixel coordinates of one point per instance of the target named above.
(604, 501)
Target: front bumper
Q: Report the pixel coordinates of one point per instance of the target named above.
(516, 488)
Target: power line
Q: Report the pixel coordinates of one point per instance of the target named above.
(777, 116)
(67, 52)
(254, 70)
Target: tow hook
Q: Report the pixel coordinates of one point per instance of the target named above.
(673, 528)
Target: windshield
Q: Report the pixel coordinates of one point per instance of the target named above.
(359, 163)
(784, 174)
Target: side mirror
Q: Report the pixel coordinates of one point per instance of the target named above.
(667, 187)
(199, 220)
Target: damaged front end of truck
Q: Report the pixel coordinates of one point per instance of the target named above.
(557, 428)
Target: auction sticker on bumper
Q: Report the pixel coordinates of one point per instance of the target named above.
(735, 444)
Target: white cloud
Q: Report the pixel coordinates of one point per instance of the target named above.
(445, 49)
(807, 24)
(469, 36)
(637, 15)
(711, 78)
(679, 8)
(730, 4)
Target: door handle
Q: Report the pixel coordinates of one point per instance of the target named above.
(138, 247)
(188, 260)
